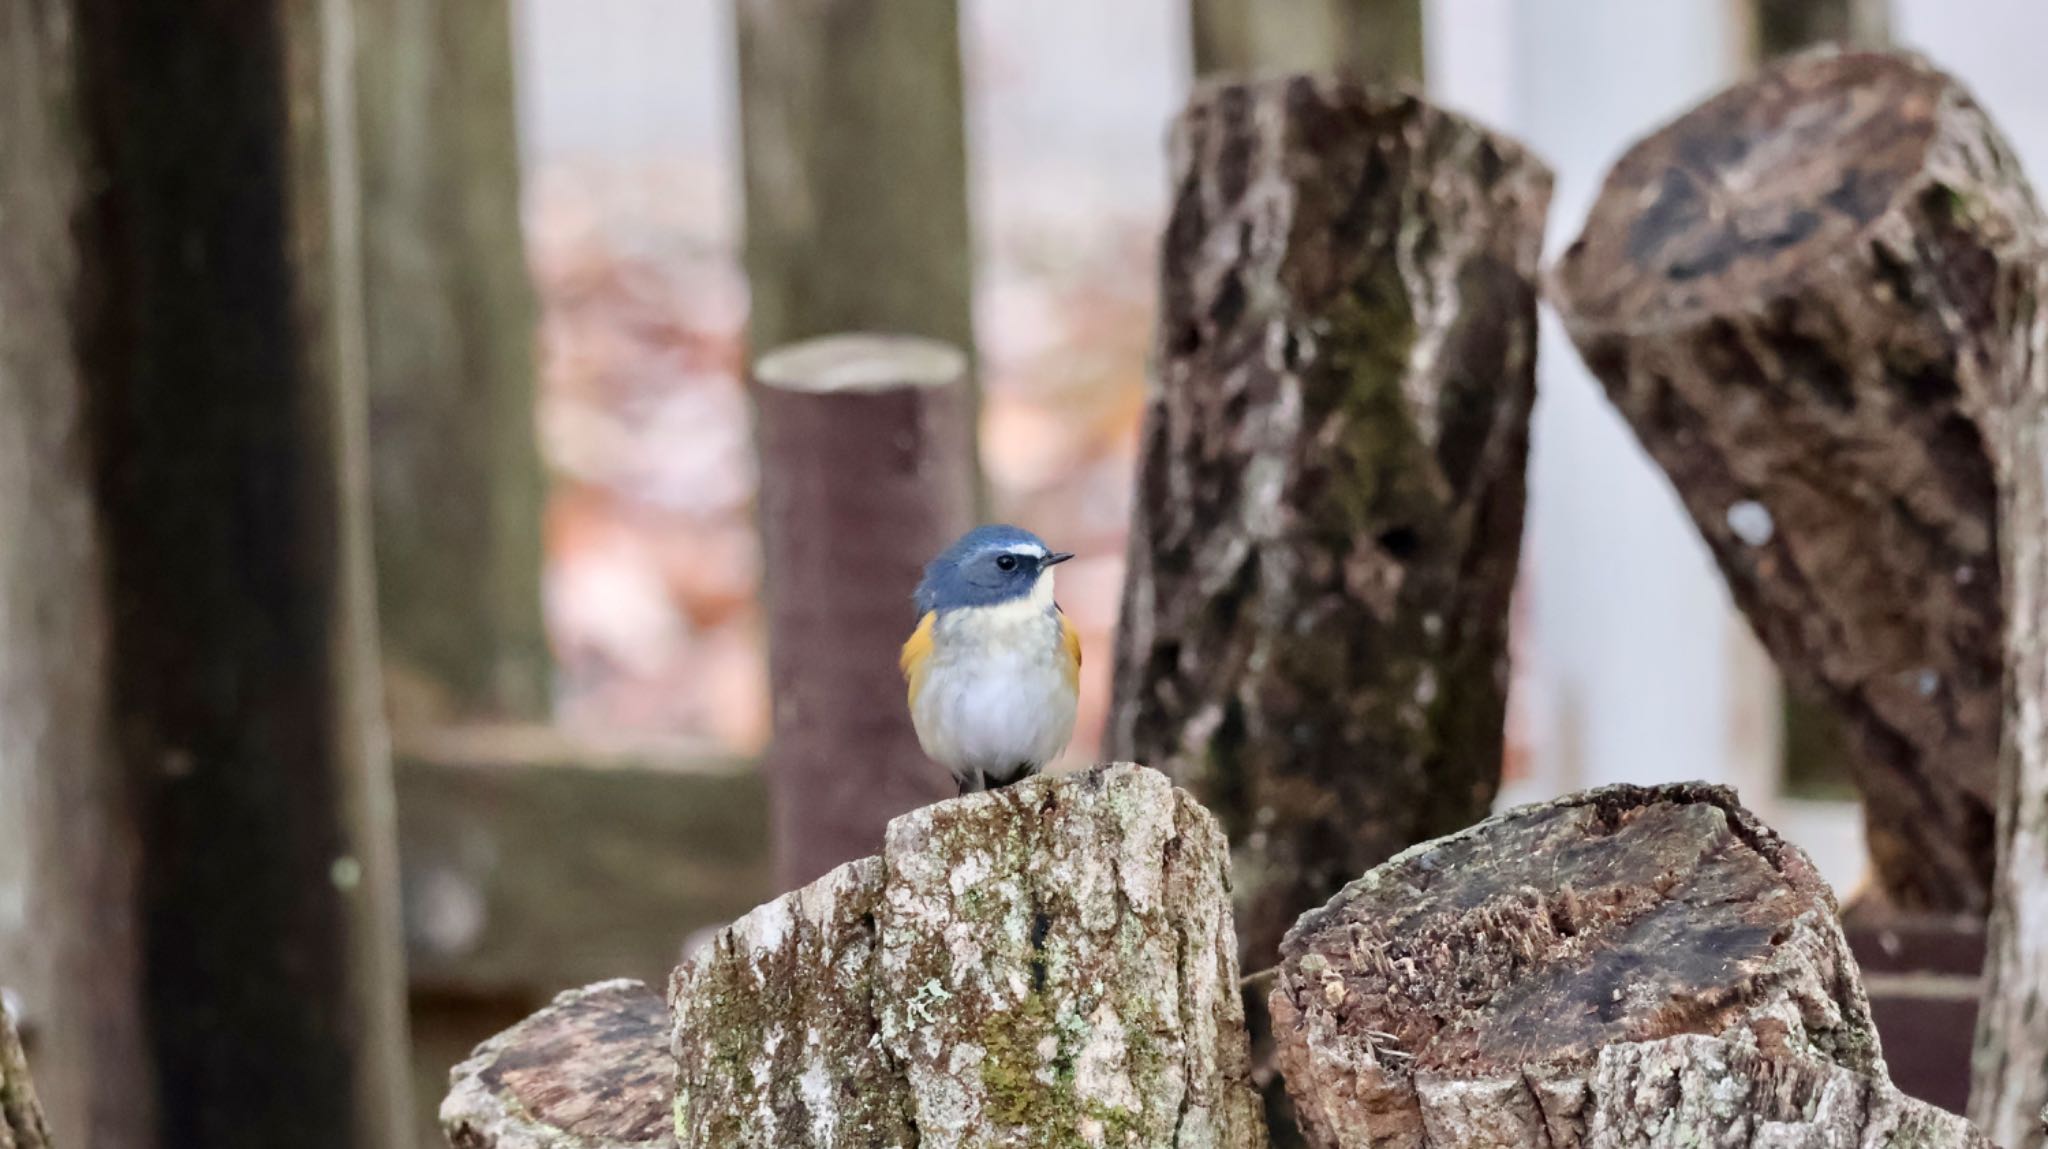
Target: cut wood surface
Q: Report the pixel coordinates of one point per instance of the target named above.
(1329, 504)
(591, 1071)
(1628, 966)
(1050, 964)
(865, 475)
(1793, 293)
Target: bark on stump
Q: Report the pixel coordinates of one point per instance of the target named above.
(1050, 964)
(591, 1071)
(1791, 293)
(21, 1116)
(1628, 966)
(864, 475)
(2010, 1082)
(1329, 507)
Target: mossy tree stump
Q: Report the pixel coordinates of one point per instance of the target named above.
(1329, 506)
(1795, 294)
(1050, 964)
(1628, 966)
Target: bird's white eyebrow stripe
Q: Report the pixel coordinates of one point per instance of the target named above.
(1028, 549)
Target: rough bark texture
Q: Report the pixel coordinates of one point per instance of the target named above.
(1045, 965)
(865, 475)
(1329, 505)
(190, 713)
(21, 1116)
(591, 1071)
(1376, 40)
(456, 468)
(2010, 1083)
(1790, 293)
(1627, 966)
(853, 134)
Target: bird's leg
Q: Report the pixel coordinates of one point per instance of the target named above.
(971, 782)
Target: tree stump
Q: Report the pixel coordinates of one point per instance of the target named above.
(1792, 294)
(1627, 966)
(1050, 964)
(1329, 506)
(21, 1115)
(864, 476)
(591, 1071)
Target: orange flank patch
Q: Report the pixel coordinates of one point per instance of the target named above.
(917, 652)
(1070, 641)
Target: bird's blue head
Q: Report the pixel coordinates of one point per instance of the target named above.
(989, 566)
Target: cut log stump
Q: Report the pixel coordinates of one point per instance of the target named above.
(591, 1071)
(21, 1115)
(1628, 966)
(1050, 964)
(1798, 296)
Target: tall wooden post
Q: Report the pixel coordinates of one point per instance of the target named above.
(456, 469)
(853, 133)
(1329, 503)
(1377, 40)
(864, 477)
(1782, 27)
(189, 705)
(1821, 415)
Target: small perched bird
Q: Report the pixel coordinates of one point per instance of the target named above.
(994, 666)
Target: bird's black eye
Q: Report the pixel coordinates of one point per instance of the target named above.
(1006, 562)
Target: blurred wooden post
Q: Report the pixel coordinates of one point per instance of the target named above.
(1781, 27)
(1810, 363)
(1374, 40)
(455, 466)
(21, 1115)
(853, 134)
(864, 477)
(187, 689)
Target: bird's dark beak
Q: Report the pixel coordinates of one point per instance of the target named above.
(1055, 558)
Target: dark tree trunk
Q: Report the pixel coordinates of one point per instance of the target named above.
(1627, 966)
(853, 130)
(21, 1115)
(1374, 40)
(210, 870)
(864, 476)
(1809, 359)
(456, 469)
(1329, 505)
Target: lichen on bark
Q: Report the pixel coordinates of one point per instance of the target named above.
(1046, 965)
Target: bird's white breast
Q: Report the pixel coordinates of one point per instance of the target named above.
(995, 693)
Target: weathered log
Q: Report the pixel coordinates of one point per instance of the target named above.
(1627, 966)
(21, 1115)
(1790, 293)
(853, 137)
(2010, 1085)
(865, 474)
(591, 1071)
(456, 468)
(1329, 507)
(1373, 40)
(1050, 964)
(188, 685)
